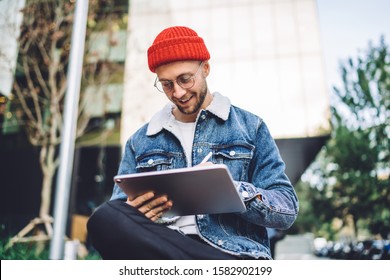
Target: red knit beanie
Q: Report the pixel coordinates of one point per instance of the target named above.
(177, 43)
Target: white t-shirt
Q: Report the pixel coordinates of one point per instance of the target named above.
(186, 224)
(186, 137)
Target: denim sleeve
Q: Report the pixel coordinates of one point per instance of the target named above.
(269, 196)
(127, 166)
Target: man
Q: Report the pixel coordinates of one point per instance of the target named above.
(195, 123)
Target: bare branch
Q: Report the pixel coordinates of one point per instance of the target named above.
(33, 93)
(23, 103)
(41, 80)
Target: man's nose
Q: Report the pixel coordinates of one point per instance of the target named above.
(178, 91)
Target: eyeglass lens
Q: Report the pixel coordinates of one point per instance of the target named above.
(185, 81)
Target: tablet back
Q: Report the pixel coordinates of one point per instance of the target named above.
(196, 190)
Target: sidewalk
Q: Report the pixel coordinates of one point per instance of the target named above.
(296, 247)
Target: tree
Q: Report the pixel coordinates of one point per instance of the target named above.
(354, 168)
(41, 77)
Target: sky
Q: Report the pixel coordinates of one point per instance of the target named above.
(346, 28)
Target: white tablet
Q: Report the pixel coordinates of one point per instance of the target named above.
(207, 189)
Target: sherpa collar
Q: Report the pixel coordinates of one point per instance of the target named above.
(219, 106)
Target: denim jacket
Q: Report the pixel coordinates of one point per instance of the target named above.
(241, 141)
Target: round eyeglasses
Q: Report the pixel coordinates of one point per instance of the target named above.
(185, 81)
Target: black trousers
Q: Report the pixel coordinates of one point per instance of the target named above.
(119, 231)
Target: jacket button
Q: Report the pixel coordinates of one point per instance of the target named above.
(150, 161)
(245, 194)
(220, 242)
(232, 153)
(203, 117)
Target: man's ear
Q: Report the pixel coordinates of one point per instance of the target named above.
(206, 69)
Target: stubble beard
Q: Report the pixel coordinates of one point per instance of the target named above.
(198, 105)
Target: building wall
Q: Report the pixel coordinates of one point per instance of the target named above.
(10, 20)
(265, 56)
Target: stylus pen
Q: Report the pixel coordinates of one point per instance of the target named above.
(206, 158)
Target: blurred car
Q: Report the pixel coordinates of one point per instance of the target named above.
(320, 247)
(370, 249)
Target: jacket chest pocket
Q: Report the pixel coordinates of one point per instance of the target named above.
(154, 162)
(237, 157)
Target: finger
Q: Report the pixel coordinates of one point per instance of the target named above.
(151, 204)
(157, 212)
(140, 200)
(160, 209)
(156, 217)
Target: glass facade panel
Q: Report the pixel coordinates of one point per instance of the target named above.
(265, 56)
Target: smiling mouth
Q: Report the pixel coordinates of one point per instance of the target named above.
(183, 101)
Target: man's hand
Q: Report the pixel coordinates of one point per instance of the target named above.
(152, 206)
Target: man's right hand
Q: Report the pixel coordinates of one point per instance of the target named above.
(153, 207)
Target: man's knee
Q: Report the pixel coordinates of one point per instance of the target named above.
(111, 215)
(102, 217)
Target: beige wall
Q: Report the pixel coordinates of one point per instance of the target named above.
(10, 20)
